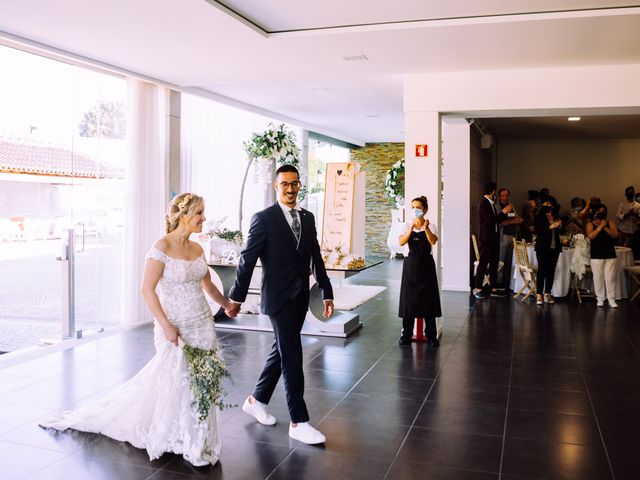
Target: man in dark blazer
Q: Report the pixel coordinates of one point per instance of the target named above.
(283, 236)
(489, 241)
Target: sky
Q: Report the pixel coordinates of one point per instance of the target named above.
(49, 95)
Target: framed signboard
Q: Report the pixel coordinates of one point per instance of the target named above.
(344, 211)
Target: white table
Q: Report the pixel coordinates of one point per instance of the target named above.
(341, 324)
(562, 278)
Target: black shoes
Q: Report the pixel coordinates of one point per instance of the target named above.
(432, 343)
(479, 294)
(499, 293)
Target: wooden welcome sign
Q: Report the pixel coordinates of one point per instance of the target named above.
(343, 221)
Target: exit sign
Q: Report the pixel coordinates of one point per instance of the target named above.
(421, 150)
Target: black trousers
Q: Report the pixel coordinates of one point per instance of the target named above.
(489, 252)
(286, 359)
(429, 328)
(547, 261)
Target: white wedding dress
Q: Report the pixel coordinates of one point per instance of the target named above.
(154, 410)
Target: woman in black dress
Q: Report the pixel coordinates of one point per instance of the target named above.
(548, 248)
(419, 294)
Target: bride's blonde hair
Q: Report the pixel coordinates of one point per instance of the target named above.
(185, 205)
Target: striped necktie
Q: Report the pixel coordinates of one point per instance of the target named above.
(295, 224)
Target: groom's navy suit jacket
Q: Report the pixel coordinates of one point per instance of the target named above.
(286, 264)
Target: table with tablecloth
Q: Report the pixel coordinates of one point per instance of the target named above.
(562, 278)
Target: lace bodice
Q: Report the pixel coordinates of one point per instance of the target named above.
(181, 296)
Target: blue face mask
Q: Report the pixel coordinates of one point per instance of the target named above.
(417, 213)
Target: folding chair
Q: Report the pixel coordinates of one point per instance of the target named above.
(527, 272)
(581, 292)
(486, 280)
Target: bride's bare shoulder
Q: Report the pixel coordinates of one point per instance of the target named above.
(162, 244)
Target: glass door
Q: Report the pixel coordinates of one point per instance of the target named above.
(97, 199)
(61, 170)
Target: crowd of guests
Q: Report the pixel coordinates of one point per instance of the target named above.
(541, 222)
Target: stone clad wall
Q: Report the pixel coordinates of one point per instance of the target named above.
(376, 159)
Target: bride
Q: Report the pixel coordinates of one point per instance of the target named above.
(155, 409)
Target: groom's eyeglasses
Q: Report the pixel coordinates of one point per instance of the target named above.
(285, 185)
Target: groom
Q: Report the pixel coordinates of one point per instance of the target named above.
(283, 237)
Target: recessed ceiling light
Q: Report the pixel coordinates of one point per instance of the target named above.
(320, 89)
(372, 116)
(574, 119)
(355, 58)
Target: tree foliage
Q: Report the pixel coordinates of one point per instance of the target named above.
(105, 120)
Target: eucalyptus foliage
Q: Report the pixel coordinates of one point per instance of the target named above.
(207, 371)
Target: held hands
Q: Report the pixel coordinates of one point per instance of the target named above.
(232, 309)
(328, 308)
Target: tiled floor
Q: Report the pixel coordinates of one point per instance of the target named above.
(514, 392)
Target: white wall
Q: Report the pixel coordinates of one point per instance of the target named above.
(534, 91)
(454, 235)
(570, 169)
(423, 174)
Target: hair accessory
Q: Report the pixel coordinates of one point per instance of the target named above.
(185, 201)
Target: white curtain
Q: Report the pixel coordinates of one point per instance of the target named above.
(145, 189)
(212, 158)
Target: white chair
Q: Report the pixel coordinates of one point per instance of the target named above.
(486, 280)
(528, 273)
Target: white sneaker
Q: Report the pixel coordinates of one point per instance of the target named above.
(548, 298)
(258, 411)
(600, 303)
(305, 433)
(539, 300)
(613, 304)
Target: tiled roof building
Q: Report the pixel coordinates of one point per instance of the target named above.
(37, 158)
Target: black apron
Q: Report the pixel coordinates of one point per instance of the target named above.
(419, 295)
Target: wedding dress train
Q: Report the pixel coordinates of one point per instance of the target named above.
(154, 410)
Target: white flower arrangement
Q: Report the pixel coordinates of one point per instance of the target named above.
(275, 143)
(336, 258)
(207, 371)
(394, 183)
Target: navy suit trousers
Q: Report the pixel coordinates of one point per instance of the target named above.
(286, 359)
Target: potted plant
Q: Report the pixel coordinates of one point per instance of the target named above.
(224, 244)
(275, 146)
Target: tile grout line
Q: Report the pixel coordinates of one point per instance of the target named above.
(506, 413)
(404, 440)
(595, 416)
(332, 409)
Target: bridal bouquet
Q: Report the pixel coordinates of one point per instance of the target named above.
(207, 371)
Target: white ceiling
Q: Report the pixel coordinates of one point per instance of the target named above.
(286, 56)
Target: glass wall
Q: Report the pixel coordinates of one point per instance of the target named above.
(213, 160)
(62, 167)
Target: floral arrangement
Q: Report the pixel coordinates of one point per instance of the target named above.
(214, 228)
(276, 143)
(336, 258)
(207, 371)
(394, 183)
